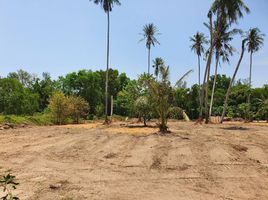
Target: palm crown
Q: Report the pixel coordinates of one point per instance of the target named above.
(222, 42)
(107, 5)
(158, 64)
(149, 32)
(229, 10)
(254, 40)
(198, 41)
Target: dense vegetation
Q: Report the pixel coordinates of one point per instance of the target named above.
(22, 93)
(85, 94)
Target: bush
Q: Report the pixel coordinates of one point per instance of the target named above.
(78, 108)
(63, 107)
(99, 110)
(58, 105)
(175, 113)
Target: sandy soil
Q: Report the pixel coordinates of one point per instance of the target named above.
(206, 162)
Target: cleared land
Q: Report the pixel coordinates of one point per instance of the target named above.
(227, 162)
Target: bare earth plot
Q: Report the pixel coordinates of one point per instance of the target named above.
(206, 162)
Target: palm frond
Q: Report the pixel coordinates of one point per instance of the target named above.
(183, 77)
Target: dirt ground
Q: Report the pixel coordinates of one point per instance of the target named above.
(94, 162)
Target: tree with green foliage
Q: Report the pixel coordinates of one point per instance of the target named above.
(232, 80)
(263, 109)
(125, 102)
(254, 43)
(86, 84)
(107, 6)
(25, 78)
(162, 95)
(223, 50)
(198, 42)
(149, 36)
(16, 99)
(157, 64)
(44, 88)
(226, 12)
(144, 108)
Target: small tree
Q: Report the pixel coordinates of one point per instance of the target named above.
(162, 95)
(58, 105)
(78, 107)
(144, 108)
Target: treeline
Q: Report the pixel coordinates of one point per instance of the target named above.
(22, 93)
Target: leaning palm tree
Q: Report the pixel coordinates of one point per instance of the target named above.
(158, 63)
(254, 43)
(198, 41)
(232, 80)
(223, 50)
(226, 11)
(107, 6)
(149, 33)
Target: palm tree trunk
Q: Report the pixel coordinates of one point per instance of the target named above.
(232, 80)
(250, 83)
(202, 94)
(214, 85)
(206, 97)
(107, 66)
(208, 67)
(149, 60)
(199, 83)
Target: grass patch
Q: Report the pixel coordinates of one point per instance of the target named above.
(37, 119)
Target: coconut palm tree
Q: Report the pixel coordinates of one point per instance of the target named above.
(149, 33)
(232, 80)
(107, 6)
(223, 50)
(226, 11)
(198, 41)
(157, 64)
(254, 43)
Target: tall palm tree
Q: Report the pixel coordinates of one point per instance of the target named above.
(226, 11)
(107, 6)
(232, 80)
(254, 43)
(158, 63)
(223, 49)
(149, 36)
(198, 41)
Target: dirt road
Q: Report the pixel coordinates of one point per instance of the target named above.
(196, 162)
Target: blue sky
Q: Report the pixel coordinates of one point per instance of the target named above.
(61, 36)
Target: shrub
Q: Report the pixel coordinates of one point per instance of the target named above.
(58, 105)
(62, 107)
(78, 107)
(175, 113)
